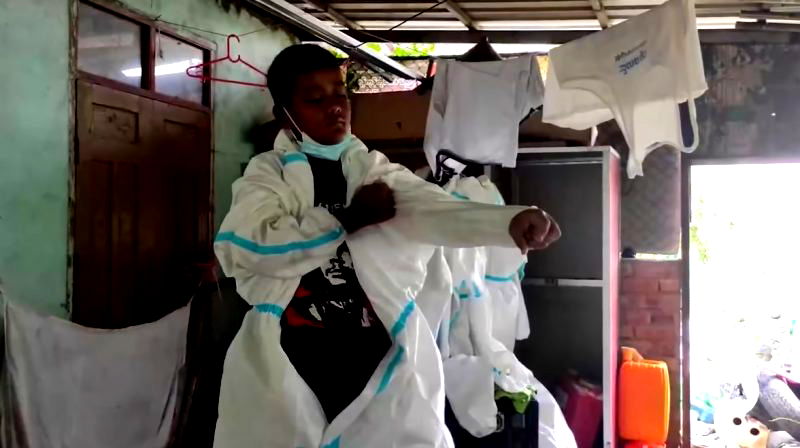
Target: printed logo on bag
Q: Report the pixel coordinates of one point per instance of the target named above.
(628, 60)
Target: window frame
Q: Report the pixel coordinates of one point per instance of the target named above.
(149, 31)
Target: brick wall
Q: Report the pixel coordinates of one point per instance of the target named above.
(650, 318)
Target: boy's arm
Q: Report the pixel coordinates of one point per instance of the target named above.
(264, 232)
(427, 214)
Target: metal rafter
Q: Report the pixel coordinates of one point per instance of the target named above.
(457, 11)
(600, 12)
(303, 21)
(335, 15)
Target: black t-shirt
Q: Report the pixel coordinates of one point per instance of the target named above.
(330, 332)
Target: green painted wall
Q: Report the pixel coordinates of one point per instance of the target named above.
(34, 151)
(236, 109)
(35, 109)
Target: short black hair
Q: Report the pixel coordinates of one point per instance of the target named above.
(293, 62)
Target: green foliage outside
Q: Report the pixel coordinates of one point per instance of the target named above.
(402, 50)
(336, 52)
(697, 242)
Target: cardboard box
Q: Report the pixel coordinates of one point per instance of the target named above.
(391, 116)
(401, 117)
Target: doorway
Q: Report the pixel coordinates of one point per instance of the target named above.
(142, 170)
(744, 303)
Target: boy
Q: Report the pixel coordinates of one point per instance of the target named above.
(329, 241)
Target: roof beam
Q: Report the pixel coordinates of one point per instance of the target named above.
(600, 12)
(457, 11)
(295, 17)
(557, 37)
(335, 15)
(768, 27)
(762, 15)
(497, 37)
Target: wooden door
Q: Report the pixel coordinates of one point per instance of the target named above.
(142, 213)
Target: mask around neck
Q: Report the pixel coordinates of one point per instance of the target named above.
(311, 147)
(328, 152)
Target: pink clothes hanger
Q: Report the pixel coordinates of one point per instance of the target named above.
(198, 71)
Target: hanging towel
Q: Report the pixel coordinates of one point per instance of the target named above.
(476, 108)
(636, 72)
(70, 386)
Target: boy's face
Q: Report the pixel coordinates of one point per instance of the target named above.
(320, 106)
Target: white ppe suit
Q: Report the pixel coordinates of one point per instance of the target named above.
(272, 236)
(505, 269)
(478, 360)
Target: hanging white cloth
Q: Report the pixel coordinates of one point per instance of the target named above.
(476, 108)
(636, 72)
(69, 386)
(272, 236)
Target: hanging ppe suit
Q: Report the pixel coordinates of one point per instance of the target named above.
(505, 269)
(273, 235)
(434, 298)
(509, 314)
(478, 361)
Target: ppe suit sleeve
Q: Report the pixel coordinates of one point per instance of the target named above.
(266, 233)
(427, 214)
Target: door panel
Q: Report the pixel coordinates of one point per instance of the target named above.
(142, 206)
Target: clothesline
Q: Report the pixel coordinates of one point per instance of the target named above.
(203, 30)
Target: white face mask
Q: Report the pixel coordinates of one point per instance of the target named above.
(311, 147)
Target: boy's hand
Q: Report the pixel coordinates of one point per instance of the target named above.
(534, 229)
(371, 204)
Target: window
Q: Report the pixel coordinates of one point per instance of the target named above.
(173, 57)
(118, 48)
(109, 46)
